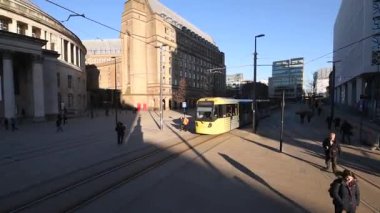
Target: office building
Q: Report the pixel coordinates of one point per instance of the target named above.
(357, 65)
(287, 76)
(235, 80)
(321, 81)
(155, 39)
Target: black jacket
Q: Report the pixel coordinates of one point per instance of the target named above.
(344, 198)
(332, 150)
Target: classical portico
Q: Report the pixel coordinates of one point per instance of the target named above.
(22, 76)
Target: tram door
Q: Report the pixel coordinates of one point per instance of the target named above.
(233, 113)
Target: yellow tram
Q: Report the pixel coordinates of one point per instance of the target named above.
(219, 115)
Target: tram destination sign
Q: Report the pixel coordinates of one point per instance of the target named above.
(205, 104)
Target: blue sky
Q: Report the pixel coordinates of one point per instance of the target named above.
(292, 28)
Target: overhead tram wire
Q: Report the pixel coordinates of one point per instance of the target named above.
(344, 47)
(97, 22)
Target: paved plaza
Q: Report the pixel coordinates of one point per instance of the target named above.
(244, 173)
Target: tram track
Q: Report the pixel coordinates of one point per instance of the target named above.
(58, 146)
(90, 187)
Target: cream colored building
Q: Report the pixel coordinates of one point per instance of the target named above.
(187, 53)
(105, 54)
(42, 63)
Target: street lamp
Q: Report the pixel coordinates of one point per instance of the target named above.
(332, 86)
(161, 107)
(114, 93)
(254, 84)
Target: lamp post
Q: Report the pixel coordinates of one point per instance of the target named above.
(254, 85)
(161, 66)
(114, 93)
(332, 92)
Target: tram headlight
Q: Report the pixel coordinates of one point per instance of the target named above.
(209, 125)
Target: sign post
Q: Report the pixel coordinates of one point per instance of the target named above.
(184, 106)
(282, 118)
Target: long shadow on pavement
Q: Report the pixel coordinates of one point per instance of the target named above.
(251, 174)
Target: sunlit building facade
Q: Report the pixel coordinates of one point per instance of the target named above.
(155, 39)
(321, 81)
(41, 65)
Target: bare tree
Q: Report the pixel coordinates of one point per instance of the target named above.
(180, 95)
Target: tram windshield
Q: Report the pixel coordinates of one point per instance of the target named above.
(204, 110)
(204, 113)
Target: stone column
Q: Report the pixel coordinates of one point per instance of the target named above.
(12, 26)
(68, 52)
(9, 90)
(359, 89)
(349, 94)
(38, 88)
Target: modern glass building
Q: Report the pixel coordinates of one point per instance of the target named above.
(287, 75)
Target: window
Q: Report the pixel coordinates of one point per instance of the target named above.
(69, 81)
(72, 53)
(58, 79)
(59, 100)
(36, 32)
(21, 28)
(65, 53)
(4, 23)
(70, 100)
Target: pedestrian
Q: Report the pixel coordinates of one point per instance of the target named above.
(302, 117)
(319, 111)
(13, 124)
(58, 123)
(346, 131)
(181, 123)
(336, 123)
(332, 150)
(64, 116)
(346, 193)
(309, 115)
(6, 123)
(184, 123)
(329, 121)
(120, 129)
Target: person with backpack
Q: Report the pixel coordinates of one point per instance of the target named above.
(332, 150)
(345, 193)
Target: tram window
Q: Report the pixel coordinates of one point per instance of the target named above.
(231, 109)
(218, 111)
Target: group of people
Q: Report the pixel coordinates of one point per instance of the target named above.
(345, 128)
(61, 120)
(344, 190)
(13, 124)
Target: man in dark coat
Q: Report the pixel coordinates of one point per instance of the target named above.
(346, 194)
(332, 150)
(336, 123)
(329, 122)
(346, 130)
(120, 129)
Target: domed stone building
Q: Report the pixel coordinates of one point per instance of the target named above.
(42, 64)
